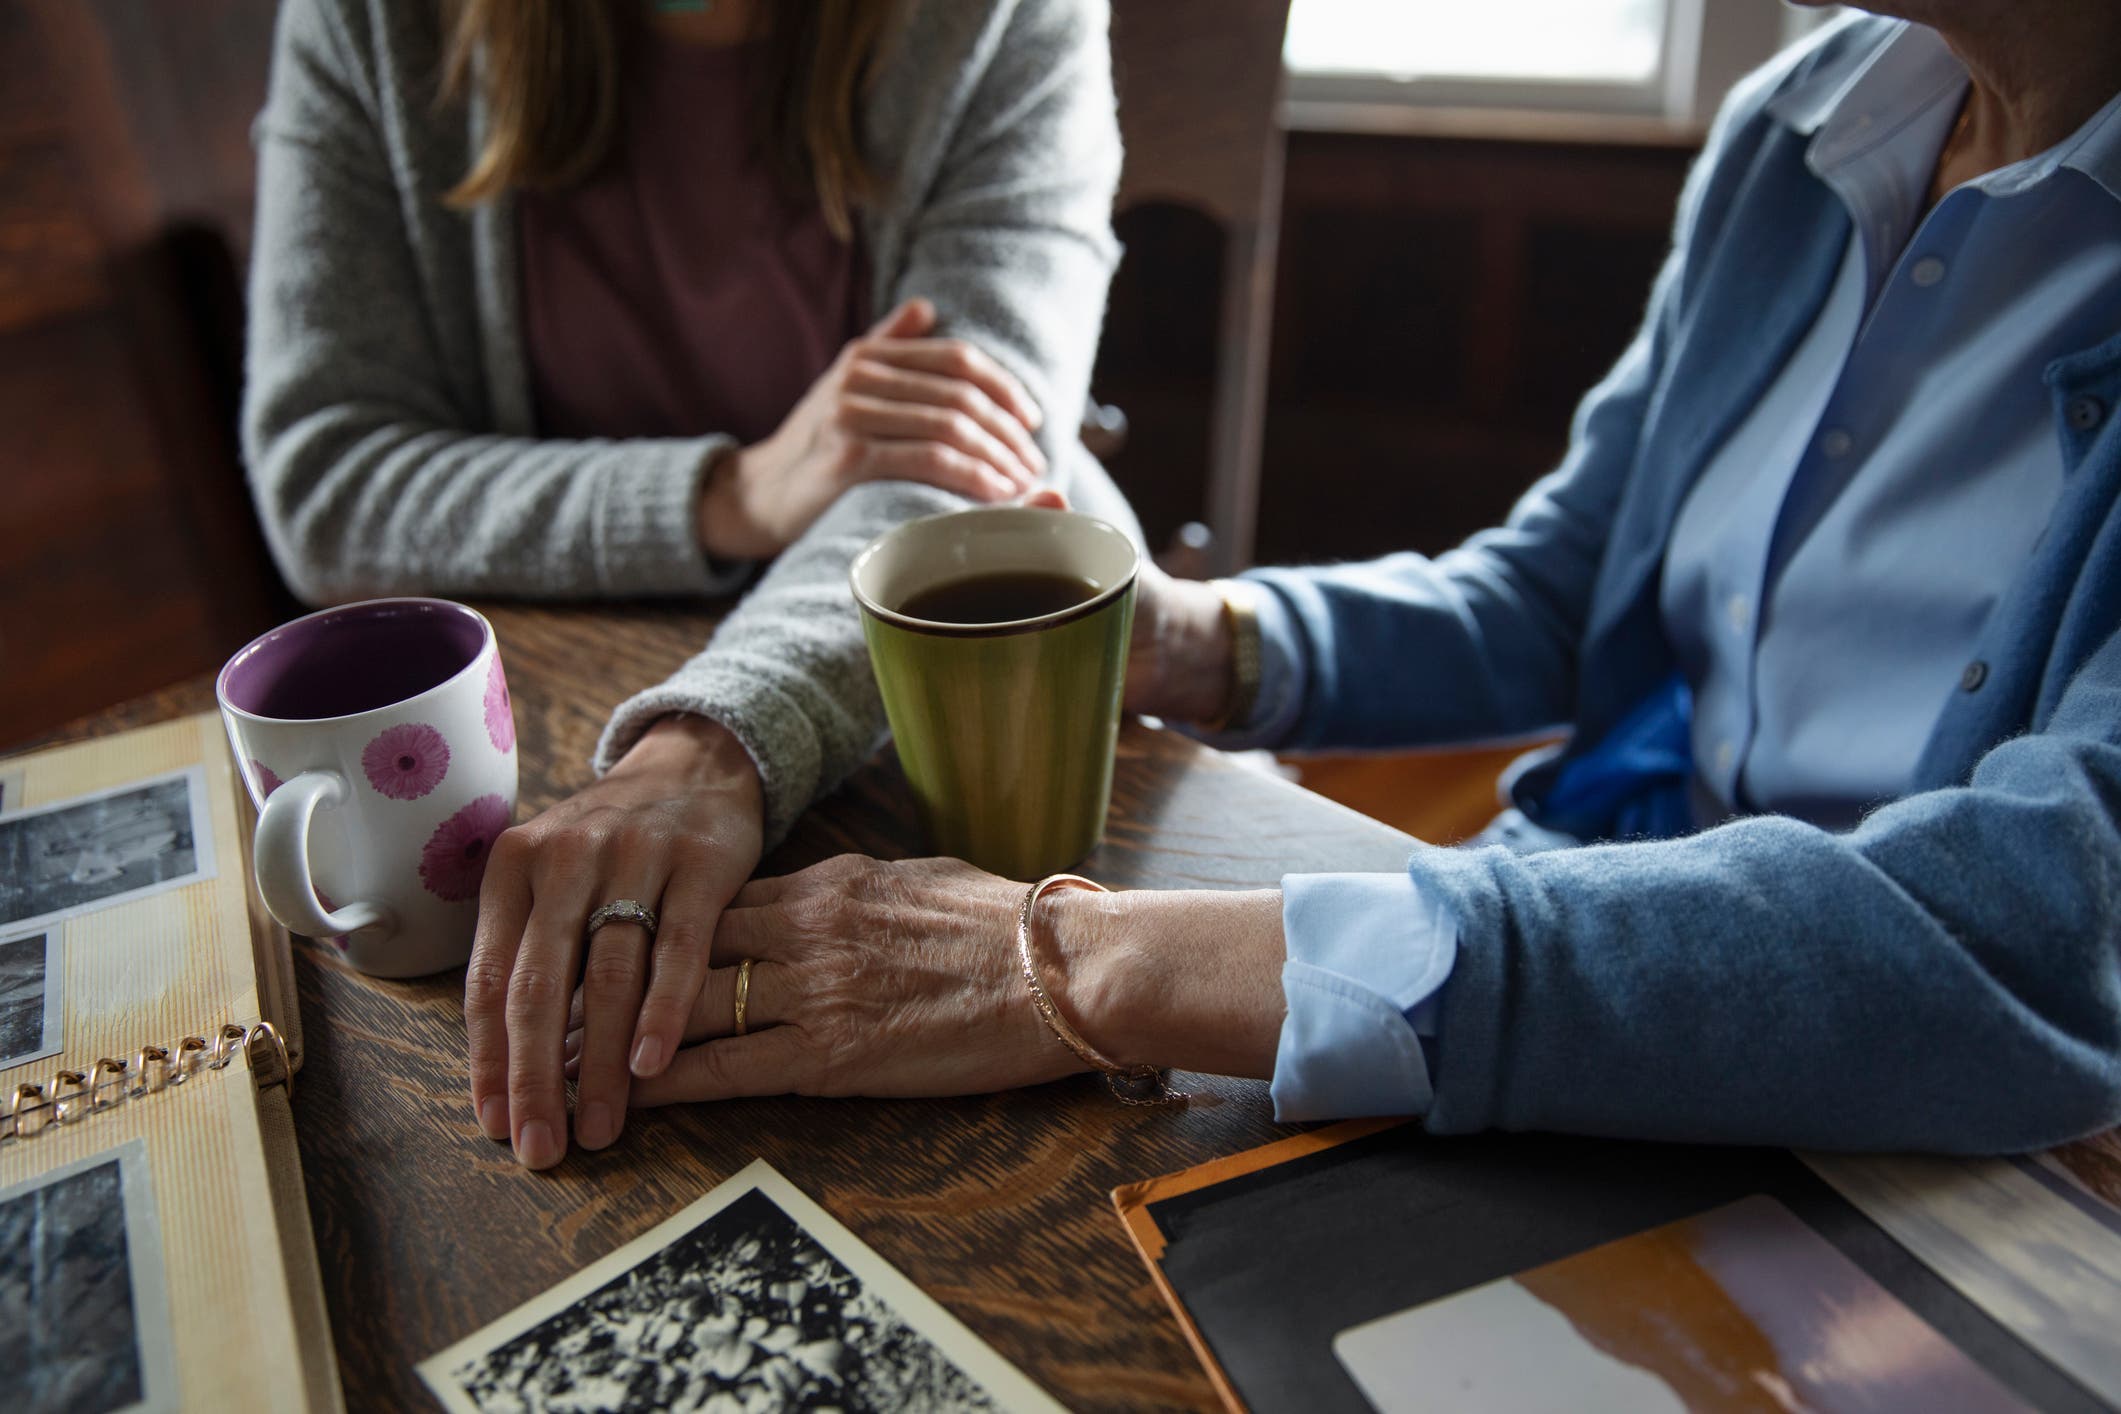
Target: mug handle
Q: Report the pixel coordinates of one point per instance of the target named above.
(281, 860)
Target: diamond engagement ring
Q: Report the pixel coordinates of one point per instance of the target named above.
(622, 910)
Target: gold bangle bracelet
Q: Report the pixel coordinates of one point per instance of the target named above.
(1130, 1084)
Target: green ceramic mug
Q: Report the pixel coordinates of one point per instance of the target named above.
(1006, 730)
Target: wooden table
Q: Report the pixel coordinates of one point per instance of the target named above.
(996, 1205)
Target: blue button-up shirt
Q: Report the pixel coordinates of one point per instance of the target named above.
(1837, 558)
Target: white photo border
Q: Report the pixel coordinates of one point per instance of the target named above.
(1009, 1387)
(52, 1034)
(204, 863)
(160, 1393)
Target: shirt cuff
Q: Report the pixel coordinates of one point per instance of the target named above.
(1282, 676)
(1368, 955)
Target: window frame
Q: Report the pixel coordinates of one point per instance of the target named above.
(1707, 46)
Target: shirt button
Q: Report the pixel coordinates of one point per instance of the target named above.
(1976, 674)
(1927, 271)
(1835, 444)
(2085, 413)
(1726, 754)
(1740, 609)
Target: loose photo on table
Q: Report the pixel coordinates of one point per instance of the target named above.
(754, 1297)
(1705, 1314)
(84, 1327)
(76, 855)
(32, 1007)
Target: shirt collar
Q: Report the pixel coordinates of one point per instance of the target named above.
(1869, 86)
(1805, 105)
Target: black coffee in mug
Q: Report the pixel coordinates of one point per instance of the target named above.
(999, 598)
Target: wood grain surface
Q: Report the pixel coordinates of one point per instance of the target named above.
(996, 1205)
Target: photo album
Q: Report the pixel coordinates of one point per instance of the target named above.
(155, 1248)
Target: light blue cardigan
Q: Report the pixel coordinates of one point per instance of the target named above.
(1946, 976)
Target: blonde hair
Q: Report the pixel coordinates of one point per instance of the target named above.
(549, 73)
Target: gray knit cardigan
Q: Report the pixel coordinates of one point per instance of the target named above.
(387, 420)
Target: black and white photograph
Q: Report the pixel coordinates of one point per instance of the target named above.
(91, 852)
(84, 1325)
(753, 1298)
(32, 1004)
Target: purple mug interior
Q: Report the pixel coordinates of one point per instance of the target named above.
(352, 659)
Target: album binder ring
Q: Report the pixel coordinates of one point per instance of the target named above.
(33, 1108)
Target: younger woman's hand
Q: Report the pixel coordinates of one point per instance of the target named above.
(675, 826)
(896, 405)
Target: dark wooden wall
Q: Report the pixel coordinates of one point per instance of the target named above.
(128, 555)
(1441, 302)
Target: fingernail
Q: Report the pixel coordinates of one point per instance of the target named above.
(572, 1047)
(493, 1117)
(647, 1057)
(593, 1126)
(535, 1147)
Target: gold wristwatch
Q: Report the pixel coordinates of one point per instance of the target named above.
(1243, 619)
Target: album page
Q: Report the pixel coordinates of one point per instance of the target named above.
(143, 1262)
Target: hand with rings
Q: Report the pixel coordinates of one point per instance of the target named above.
(606, 904)
(858, 977)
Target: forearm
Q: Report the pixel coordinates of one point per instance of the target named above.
(787, 672)
(1187, 979)
(357, 506)
(369, 446)
(1943, 978)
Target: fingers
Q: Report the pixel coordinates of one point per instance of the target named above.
(538, 993)
(1043, 498)
(766, 1003)
(954, 358)
(909, 320)
(760, 892)
(769, 1062)
(504, 905)
(614, 975)
(699, 889)
(885, 420)
(886, 383)
(939, 465)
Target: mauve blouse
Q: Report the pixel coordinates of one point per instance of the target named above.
(681, 290)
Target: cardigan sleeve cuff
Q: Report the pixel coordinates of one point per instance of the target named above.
(647, 542)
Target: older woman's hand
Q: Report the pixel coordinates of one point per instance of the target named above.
(873, 978)
(1178, 665)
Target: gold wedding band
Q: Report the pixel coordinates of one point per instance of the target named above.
(743, 992)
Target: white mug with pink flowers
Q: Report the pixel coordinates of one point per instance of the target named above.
(380, 747)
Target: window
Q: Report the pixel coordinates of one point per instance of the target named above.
(1597, 41)
(1352, 63)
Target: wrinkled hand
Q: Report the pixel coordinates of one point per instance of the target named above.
(879, 979)
(896, 405)
(676, 825)
(1178, 663)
